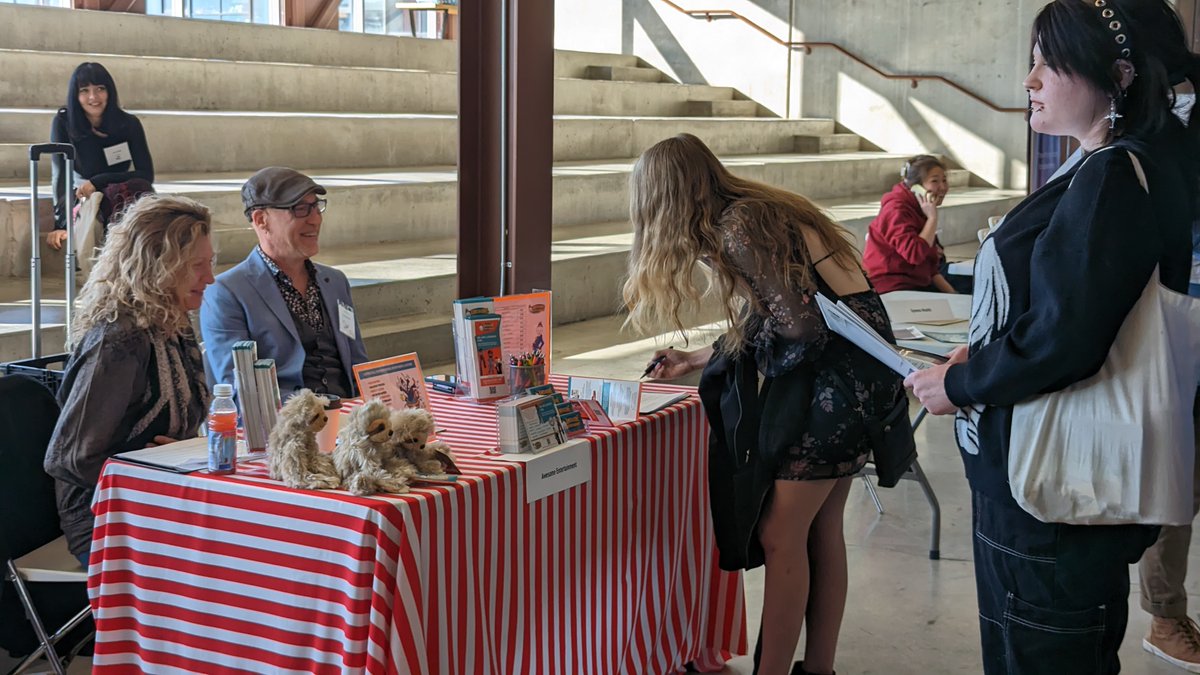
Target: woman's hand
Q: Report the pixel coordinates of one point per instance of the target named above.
(929, 386)
(929, 205)
(959, 355)
(84, 191)
(56, 238)
(160, 440)
(675, 363)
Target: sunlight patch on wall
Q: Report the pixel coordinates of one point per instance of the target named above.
(970, 150)
(873, 117)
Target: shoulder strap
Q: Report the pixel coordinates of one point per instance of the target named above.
(1133, 158)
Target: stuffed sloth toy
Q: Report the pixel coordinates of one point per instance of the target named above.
(292, 454)
(364, 455)
(412, 428)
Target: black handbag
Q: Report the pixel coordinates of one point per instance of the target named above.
(890, 435)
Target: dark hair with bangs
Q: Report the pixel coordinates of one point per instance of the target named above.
(86, 74)
(1076, 40)
(917, 168)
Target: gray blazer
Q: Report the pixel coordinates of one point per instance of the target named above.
(245, 304)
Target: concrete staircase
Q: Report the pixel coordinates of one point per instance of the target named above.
(372, 118)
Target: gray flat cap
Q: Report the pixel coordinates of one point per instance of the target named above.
(278, 187)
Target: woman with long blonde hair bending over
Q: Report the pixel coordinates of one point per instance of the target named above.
(135, 376)
(783, 455)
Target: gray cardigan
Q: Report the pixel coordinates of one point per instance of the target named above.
(122, 387)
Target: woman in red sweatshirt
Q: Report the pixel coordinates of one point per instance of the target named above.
(902, 251)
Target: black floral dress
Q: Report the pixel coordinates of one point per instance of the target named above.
(792, 334)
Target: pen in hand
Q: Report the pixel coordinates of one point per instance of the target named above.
(654, 363)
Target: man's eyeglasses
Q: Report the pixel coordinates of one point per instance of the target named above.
(303, 209)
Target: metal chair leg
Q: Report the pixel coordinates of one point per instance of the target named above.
(935, 525)
(873, 493)
(47, 645)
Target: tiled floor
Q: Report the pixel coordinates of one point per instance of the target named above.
(906, 614)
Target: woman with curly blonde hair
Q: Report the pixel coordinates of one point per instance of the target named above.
(135, 377)
(783, 449)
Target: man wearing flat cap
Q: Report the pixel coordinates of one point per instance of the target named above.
(299, 312)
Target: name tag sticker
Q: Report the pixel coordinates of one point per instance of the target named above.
(115, 154)
(346, 320)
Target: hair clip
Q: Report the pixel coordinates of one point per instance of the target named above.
(1114, 24)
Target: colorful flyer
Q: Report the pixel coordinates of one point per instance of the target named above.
(619, 398)
(397, 381)
(525, 324)
(489, 359)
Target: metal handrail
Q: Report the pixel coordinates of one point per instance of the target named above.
(807, 47)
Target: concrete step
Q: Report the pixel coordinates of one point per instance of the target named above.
(575, 64)
(36, 79)
(826, 143)
(402, 292)
(85, 32)
(182, 142)
(730, 108)
(959, 178)
(963, 212)
(419, 203)
(624, 73)
(403, 302)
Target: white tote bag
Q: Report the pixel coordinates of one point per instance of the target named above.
(1117, 447)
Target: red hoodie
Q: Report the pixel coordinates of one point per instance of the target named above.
(895, 256)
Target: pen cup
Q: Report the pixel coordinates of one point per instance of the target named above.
(521, 378)
(327, 437)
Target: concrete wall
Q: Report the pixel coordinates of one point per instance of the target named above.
(982, 46)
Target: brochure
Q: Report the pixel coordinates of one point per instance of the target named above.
(397, 381)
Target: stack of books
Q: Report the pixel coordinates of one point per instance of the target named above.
(257, 387)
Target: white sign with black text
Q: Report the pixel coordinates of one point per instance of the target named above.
(555, 470)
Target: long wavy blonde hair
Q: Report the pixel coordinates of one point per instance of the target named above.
(679, 195)
(140, 265)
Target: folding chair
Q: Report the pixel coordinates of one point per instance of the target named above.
(32, 545)
(915, 473)
(52, 563)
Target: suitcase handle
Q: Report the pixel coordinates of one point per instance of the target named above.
(65, 149)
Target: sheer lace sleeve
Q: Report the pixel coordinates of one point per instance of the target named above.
(792, 330)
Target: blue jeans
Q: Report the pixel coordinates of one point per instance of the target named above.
(83, 559)
(1053, 598)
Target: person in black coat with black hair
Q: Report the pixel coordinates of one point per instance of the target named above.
(111, 154)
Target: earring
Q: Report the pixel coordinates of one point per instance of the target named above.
(1113, 115)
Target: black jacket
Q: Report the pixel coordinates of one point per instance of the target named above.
(749, 429)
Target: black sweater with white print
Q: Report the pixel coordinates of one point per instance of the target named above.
(1055, 280)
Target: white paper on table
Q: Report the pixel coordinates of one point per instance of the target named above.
(653, 402)
(920, 311)
(907, 333)
(843, 321)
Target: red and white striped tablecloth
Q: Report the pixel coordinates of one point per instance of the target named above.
(204, 574)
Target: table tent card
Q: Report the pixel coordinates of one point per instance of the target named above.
(397, 381)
